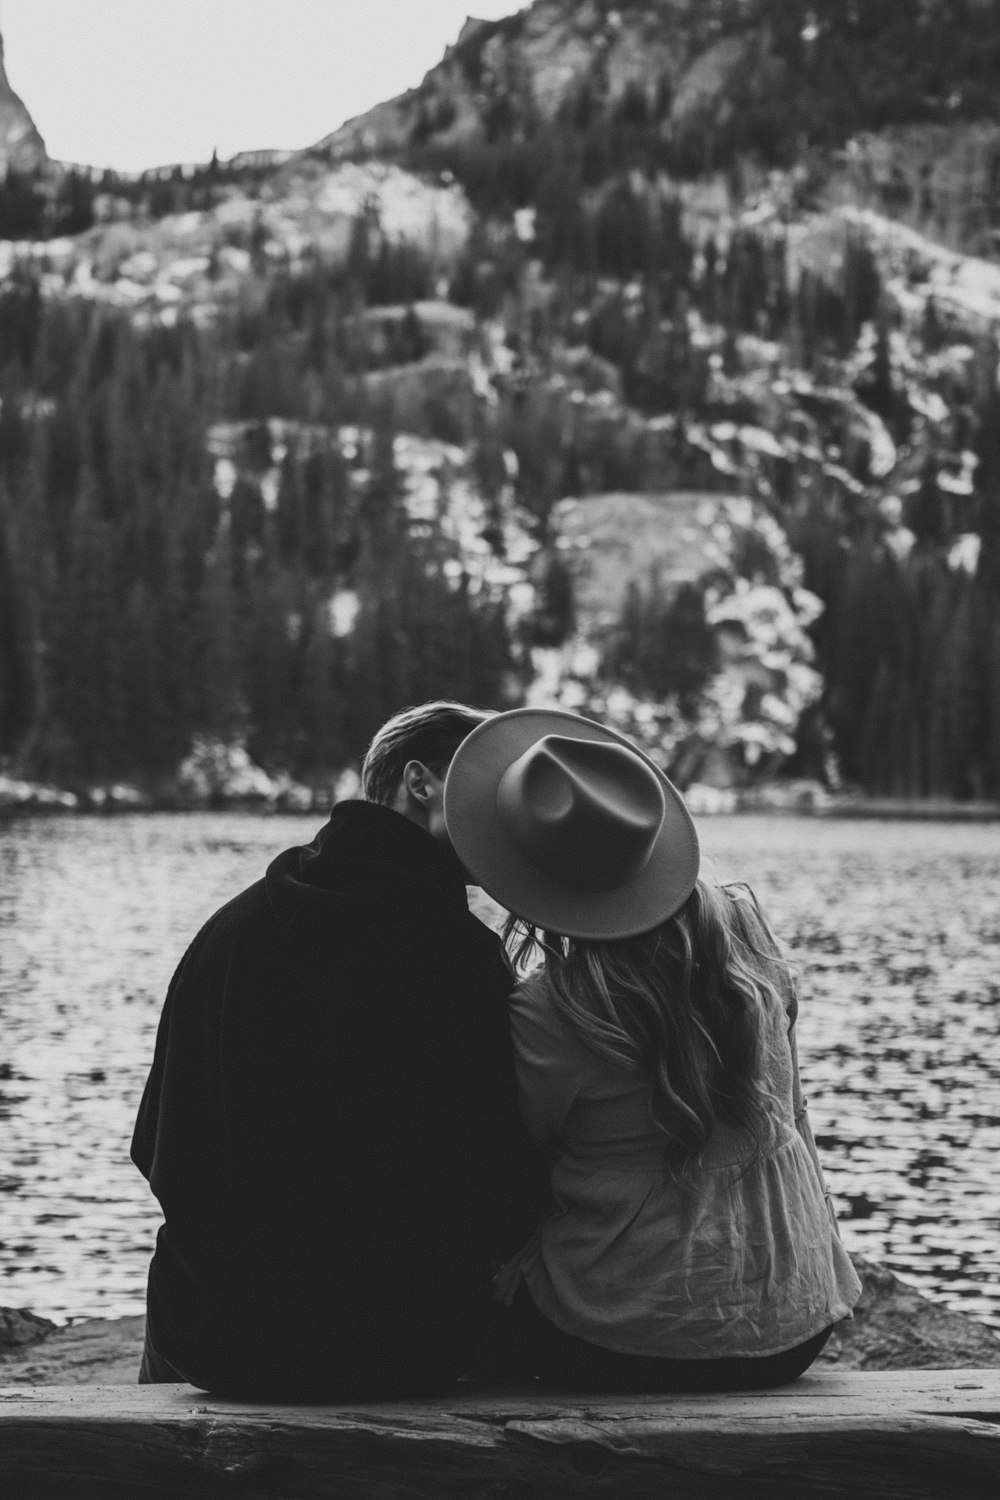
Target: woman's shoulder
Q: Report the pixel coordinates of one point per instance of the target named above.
(532, 996)
(535, 1013)
(531, 986)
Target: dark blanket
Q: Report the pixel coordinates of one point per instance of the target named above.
(330, 1125)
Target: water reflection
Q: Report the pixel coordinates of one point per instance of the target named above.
(896, 926)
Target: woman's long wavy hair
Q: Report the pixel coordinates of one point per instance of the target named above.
(686, 1004)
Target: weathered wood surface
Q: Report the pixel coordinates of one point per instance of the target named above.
(906, 1434)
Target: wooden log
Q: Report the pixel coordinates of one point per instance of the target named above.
(905, 1434)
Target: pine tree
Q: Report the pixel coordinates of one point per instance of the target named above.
(87, 649)
(875, 747)
(17, 669)
(988, 488)
(322, 716)
(926, 511)
(218, 663)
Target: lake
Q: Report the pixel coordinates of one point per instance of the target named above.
(896, 927)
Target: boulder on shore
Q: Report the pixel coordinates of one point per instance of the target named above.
(94, 1351)
(894, 1328)
(19, 1327)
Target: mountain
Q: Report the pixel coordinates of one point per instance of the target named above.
(21, 147)
(508, 76)
(697, 86)
(643, 359)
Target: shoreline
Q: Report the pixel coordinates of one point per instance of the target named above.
(770, 802)
(224, 779)
(894, 1327)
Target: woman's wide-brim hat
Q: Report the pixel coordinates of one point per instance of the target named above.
(569, 825)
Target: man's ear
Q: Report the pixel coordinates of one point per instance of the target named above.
(416, 780)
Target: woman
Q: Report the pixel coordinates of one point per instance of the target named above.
(691, 1244)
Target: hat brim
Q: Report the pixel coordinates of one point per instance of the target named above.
(494, 862)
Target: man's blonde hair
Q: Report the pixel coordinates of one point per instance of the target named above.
(430, 733)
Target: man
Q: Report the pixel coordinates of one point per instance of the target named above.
(330, 1120)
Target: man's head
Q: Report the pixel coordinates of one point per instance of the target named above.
(408, 760)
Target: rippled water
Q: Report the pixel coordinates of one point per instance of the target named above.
(896, 926)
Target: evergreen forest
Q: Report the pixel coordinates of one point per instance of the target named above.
(146, 606)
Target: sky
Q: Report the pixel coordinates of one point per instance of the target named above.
(141, 83)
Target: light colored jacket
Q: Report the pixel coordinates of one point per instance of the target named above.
(747, 1261)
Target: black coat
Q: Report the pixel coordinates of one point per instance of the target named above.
(330, 1124)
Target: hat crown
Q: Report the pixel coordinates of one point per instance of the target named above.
(587, 812)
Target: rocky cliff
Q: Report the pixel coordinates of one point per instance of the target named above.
(706, 82)
(21, 147)
(559, 61)
(504, 77)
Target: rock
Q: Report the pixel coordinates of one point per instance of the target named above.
(742, 715)
(535, 63)
(21, 147)
(896, 1328)
(933, 176)
(435, 397)
(31, 796)
(708, 80)
(218, 774)
(19, 1327)
(440, 326)
(95, 1351)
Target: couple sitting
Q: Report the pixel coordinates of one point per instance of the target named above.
(365, 1135)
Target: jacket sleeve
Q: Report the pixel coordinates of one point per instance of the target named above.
(143, 1149)
(147, 1125)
